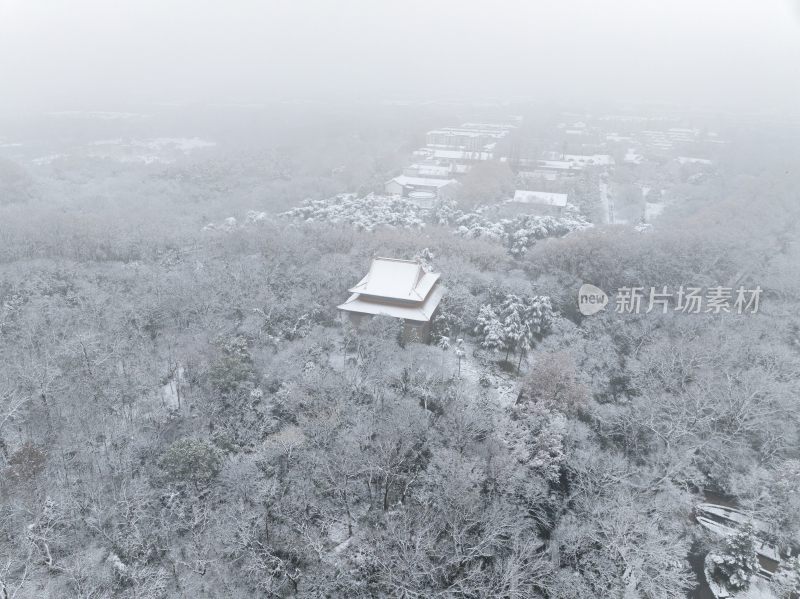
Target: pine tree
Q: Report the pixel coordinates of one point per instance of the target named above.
(514, 329)
(490, 329)
(736, 566)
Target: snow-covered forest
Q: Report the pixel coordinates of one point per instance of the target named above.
(186, 412)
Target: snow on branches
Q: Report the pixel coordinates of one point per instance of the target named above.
(515, 325)
(521, 232)
(364, 213)
(372, 211)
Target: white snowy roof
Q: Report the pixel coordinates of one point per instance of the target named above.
(423, 181)
(421, 311)
(601, 159)
(470, 132)
(544, 198)
(539, 174)
(684, 130)
(396, 279)
(560, 165)
(633, 156)
(453, 131)
(489, 126)
(462, 155)
(618, 137)
(398, 288)
(691, 160)
(428, 170)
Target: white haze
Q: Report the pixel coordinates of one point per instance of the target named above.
(721, 54)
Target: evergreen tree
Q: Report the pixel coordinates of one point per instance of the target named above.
(737, 565)
(490, 329)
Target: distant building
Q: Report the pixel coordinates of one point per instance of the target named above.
(559, 166)
(429, 170)
(469, 144)
(447, 154)
(399, 289)
(692, 160)
(633, 157)
(423, 199)
(616, 137)
(541, 203)
(436, 169)
(589, 159)
(405, 185)
(539, 175)
(472, 137)
(667, 140)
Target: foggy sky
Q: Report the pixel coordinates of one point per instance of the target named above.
(103, 54)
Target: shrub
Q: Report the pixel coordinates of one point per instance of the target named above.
(191, 461)
(26, 463)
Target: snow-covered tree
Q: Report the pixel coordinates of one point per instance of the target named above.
(525, 320)
(425, 257)
(737, 564)
(514, 329)
(490, 329)
(553, 382)
(515, 325)
(364, 213)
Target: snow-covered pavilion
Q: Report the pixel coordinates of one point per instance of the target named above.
(400, 289)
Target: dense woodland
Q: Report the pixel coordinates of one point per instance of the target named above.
(184, 414)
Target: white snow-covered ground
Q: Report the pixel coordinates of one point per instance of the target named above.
(503, 388)
(757, 590)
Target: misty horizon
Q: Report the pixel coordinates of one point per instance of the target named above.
(89, 55)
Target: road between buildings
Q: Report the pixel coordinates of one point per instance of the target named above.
(608, 202)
